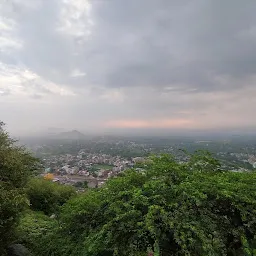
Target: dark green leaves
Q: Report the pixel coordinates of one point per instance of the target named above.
(183, 208)
(16, 165)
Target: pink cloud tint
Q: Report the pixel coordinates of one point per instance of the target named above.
(159, 123)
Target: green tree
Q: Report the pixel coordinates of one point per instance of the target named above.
(47, 196)
(41, 234)
(191, 208)
(35, 231)
(168, 208)
(16, 165)
(81, 184)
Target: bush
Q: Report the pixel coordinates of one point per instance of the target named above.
(35, 231)
(16, 165)
(171, 208)
(47, 196)
(42, 235)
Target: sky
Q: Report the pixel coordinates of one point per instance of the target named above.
(97, 65)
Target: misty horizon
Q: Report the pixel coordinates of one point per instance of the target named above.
(210, 133)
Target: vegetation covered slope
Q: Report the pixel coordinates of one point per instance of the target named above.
(16, 165)
(164, 207)
(169, 208)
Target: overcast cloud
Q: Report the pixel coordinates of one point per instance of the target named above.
(103, 64)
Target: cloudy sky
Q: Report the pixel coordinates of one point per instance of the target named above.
(108, 64)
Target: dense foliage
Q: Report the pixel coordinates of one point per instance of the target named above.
(164, 207)
(16, 165)
(35, 230)
(47, 196)
(171, 208)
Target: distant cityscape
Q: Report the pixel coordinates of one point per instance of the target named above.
(72, 158)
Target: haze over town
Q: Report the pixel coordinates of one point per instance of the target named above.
(143, 66)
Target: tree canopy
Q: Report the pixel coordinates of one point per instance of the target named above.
(167, 207)
(47, 196)
(16, 165)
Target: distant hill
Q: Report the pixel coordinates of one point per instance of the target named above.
(70, 135)
(54, 130)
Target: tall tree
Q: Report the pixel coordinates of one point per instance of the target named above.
(16, 165)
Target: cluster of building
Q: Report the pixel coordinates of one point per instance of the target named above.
(252, 160)
(87, 165)
(96, 168)
(239, 159)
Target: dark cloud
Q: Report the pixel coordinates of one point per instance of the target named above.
(145, 43)
(159, 43)
(141, 59)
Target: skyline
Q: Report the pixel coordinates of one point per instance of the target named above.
(117, 65)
